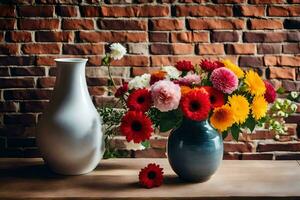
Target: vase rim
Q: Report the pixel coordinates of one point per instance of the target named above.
(71, 60)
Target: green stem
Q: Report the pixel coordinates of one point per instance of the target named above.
(110, 76)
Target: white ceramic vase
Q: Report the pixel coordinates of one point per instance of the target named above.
(69, 134)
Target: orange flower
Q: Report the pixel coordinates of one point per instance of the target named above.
(157, 76)
(185, 90)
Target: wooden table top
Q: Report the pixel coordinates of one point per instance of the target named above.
(118, 178)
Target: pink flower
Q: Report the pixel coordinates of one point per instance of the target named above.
(224, 80)
(190, 79)
(165, 95)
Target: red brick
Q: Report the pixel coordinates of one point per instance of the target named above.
(281, 73)
(41, 48)
(33, 106)
(284, 11)
(268, 48)
(240, 49)
(45, 60)
(36, 11)
(67, 11)
(38, 24)
(54, 36)
(90, 11)
(122, 24)
(238, 147)
(24, 119)
(158, 143)
(77, 24)
(132, 61)
(232, 156)
(46, 82)
(4, 71)
(287, 156)
(251, 11)
(167, 24)
(224, 36)
(137, 71)
(177, 49)
(291, 48)
(7, 24)
(17, 60)
(158, 37)
(97, 90)
(9, 49)
(27, 94)
(20, 36)
(27, 71)
(135, 11)
(257, 156)
(265, 37)
(100, 81)
(247, 61)
(7, 11)
(283, 60)
(189, 37)
(210, 49)
(8, 106)
(16, 82)
(230, 1)
(200, 24)
(266, 1)
(150, 153)
(259, 24)
(83, 49)
(113, 36)
(203, 11)
(287, 146)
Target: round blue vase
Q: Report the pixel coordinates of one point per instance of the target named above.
(195, 150)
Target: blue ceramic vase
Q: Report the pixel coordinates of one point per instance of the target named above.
(195, 150)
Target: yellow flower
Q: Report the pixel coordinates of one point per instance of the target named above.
(255, 85)
(240, 107)
(259, 107)
(222, 118)
(234, 68)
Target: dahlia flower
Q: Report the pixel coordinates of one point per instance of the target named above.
(216, 97)
(139, 82)
(208, 65)
(117, 51)
(259, 107)
(157, 76)
(172, 72)
(139, 100)
(190, 79)
(255, 85)
(240, 107)
(222, 118)
(166, 95)
(121, 90)
(151, 176)
(224, 80)
(270, 94)
(184, 65)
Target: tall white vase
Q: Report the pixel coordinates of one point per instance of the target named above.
(69, 134)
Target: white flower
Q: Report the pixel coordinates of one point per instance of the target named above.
(140, 82)
(172, 72)
(280, 113)
(294, 107)
(294, 95)
(117, 51)
(133, 146)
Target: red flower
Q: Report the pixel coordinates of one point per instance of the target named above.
(184, 65)
(216, 97)
(121, 90)
(157, 76)
(210, 65)
(136, 126)
(151, 176)
(139, 100)
(195, 105)
(270, 94)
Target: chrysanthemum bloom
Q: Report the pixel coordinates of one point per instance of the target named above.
(240, 107)
(222, 118)
(270, 94)
(172, 72)
(259, 107)
(185, 89)
(234, 68)
(117, 51)
(157, 76)
(121, 90)
(184, 65)
(165, 95)
(195, 105)
(255, 85)
(189, 80)
(151, 176)
(142, 81)
(136, 126)
(215, 96)
(224, 80)
(139, 100)
(208, 65)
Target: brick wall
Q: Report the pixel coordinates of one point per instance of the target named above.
(263, 34)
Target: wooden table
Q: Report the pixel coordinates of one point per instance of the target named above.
(117, 178)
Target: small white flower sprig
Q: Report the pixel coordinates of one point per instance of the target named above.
(117, 52)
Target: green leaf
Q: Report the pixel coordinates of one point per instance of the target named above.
(280, 90)
(235, 131)
(146, 144)
(169, 120)
(224, 134)
(250, 123)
